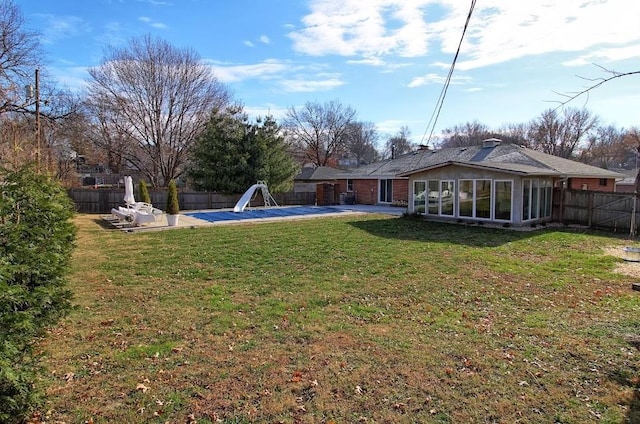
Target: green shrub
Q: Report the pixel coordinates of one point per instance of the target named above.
(144, 193)
(36, 242)
(173, 208)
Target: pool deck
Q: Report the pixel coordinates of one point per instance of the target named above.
(186, 221)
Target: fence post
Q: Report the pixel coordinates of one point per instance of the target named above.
(562, 197)
(632, 226)
(104, 199)
(590, 209)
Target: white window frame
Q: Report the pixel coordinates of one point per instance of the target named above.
(474, 199)
(389, 193)
(415, 194)
(495, 198)
(543, 204)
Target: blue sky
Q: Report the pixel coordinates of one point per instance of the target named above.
(385, 58)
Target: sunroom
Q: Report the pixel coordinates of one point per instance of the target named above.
(479, 194)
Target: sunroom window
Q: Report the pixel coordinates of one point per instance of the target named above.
(475, 198)
(419, 196)
(503, 194)
(536, 199)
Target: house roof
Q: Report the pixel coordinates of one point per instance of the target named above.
(318, 173)
(629, 176)
(505, 157)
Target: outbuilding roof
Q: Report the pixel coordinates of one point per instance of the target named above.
(504, 157)
(318, 173)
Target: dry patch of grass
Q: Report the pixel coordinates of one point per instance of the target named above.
(361, 318)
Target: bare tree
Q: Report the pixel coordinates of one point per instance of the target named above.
(632, 140)
(515, 133)
(156, 97)
(20, 55)
(107, 134)
(608, 147)
(399, 144)
(16, 142)
(467, 134)
(594, 83)
(319, 129)
(361, 141)
(561, 135)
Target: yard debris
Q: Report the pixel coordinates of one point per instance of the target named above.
(142, 388)
(297, 377)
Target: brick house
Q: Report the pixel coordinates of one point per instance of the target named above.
(493, 182)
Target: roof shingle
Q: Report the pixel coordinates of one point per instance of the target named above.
(505, 157)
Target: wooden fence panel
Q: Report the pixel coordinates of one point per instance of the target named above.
(603, 210)
(609, 211)
(102, 200)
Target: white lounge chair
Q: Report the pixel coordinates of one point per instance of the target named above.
(144, 214)
(136, 213)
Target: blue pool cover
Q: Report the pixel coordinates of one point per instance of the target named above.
(278, 212)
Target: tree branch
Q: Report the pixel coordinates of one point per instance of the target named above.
(597, 82)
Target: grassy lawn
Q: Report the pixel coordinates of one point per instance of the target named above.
(364, 318)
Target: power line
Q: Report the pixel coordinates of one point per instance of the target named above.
(436, 112)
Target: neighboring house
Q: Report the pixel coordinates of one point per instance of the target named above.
(628, 183)
(494, 182)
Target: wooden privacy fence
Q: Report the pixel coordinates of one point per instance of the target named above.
(608, 211)
(102, 200)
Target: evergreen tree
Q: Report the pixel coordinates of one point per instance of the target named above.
(36, 243)
(233, 153)
(273, 161)
(144, 192)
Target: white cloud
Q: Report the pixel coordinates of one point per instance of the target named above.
(437, 79)
(379, 63)
(391, 127)
(73, 78)
(321, 82)
(113, 34)
(499, 30)
(267, 69)
(262, 39)
(152, 23)
(269, 109)
(606, 55)
(352, 28)
(60, 27)
(502, 30)
(289, 76)
(155, 2)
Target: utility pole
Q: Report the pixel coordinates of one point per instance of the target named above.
(38, 120)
